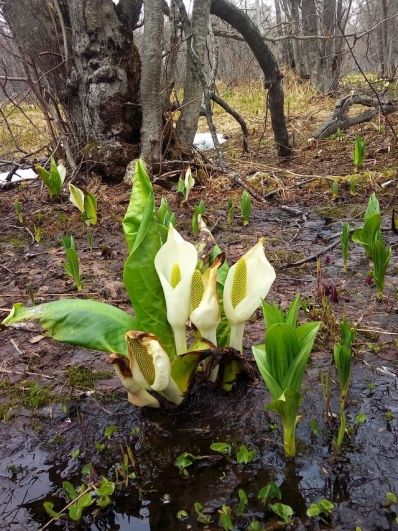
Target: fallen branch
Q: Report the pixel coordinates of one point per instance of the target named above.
(312, 256)
(341, 120)
(227, 108)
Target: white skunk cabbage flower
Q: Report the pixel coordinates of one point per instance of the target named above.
(175, 263)
(205, 314)
(147, 367)
(247, 283)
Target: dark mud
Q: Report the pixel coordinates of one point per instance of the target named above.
(36, 441)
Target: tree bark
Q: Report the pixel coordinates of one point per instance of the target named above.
(98, 87)
(273, 77)
(311, 47)
(151, 132)
(190, 111)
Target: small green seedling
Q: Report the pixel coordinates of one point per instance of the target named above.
(345, 245)
(243, 501)
(86, 203)
(342, 354)
(185, 185)
(360, 418)
(285, 512)
(353, 185)
(359, 152)
(221, 447)
(71, 265)
(226, 518)
(110, 431)
(271, 491)
(200, 209)
(37, 233)
(200, 515)
(165, 217)
(335, 189)
(314, 427)
(183, 461)
(322, 508)
(381, 260)
(246, 207)
(230, 212)
(244, 455)
(53, 179)
(18, 211)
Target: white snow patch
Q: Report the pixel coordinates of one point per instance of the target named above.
(203, 141)
(19, 175)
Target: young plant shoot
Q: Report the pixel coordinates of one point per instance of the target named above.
(71, 265)
(345, 245)
(53, 179)
(282, 360)
(381, 260)
(200, 209)
(359, 152)
(342, 354)
(370, 232)
(168, 286)
(185, 185)
(86, 203)
(246, 207)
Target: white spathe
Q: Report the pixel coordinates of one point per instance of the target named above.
(175, 263)
(247, 283)
(207, 316)
(146, 356)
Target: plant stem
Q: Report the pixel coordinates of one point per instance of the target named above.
(289, 440)
(343, 423)
(236, 337)
(180, 339)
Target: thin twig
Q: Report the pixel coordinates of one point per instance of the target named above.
(312, 256)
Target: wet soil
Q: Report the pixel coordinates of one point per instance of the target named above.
(54, 416)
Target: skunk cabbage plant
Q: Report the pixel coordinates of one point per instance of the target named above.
(168, 285)
(370, 232)
(282, 360)
(53, 179)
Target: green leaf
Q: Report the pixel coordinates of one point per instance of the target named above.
(90, 209)
(75, 512)
(313, 510)
(360, 418)
(109, 431)
(184, 366)
(272, 315)
(343, 360)
(49, 508)
(269, 492)
(184, 460)
(221, 447)
(368, 234)
(281, 347)
(243, 501)
(226, 518)
(104, 501)
(372, 208)
(69, 490)
(306, 335)
(87, 469)
(86, 500)
(245, 207)
(285, 512)
(76, 196)
(86, 323)
(106, 488)
(261, 359)
(381, 260)
(245, 456)
(140, 278)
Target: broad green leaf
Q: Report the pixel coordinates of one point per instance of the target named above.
(75, 512)
(273, 386)
(55, 179)
(90, 209)
(285, 512)
(69, 490)
(372, 208)
(140, 277)
(86, 323)
(306, 335)
(106, 488)
(292, 313)
(244, 455)
(243, 501)
(76, 196)
(381, 260)
(368, 234)
(281, 347)
(221, 447)
(272, 315)
(343, 360)
(140, 209)
(49, 508)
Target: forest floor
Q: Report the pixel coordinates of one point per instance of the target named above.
(61, 407)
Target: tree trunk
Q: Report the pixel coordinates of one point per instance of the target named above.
(311, 47)
(296, 44)
(190, 111)
(87, 62)
(329, 26)
(151, 103)
(273, 77)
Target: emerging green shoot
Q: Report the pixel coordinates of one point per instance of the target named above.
(353, 185)
(71, 265)
(53, 179)
(285, 512)
(18, 211)
(226, 518)
(200, 208)
(37, 233)
(381, 260)
(282, 361)
(230, 212)
(335, 189)
(86, 203)
(370, 232)
(359, 152)
(245, 207)
(165, 214)
(342, 354)
(345, 245)
(322, 508)
(185, 185)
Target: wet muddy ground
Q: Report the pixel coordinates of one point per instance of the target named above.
(57, 403)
